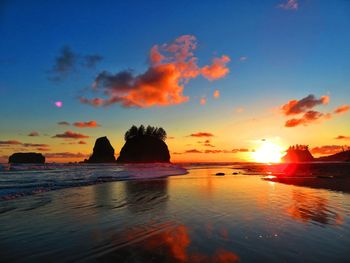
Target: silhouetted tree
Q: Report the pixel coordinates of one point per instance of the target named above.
(156, 132)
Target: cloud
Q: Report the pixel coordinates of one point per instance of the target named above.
(69, 61)
(43, 149)
(35, 145)
(203, 101)
(10, 142)
(63, 123)
(202, 134)
(87, 124)
(243, 58)
(216, 94)
(193, 151)
(217, 69)
(342, 137)
(81, 142)
(90, 61)
(70, 135)
(308, 118)
(342, 109)
(327, 149)
(289, 5)
(33, 134)
(294, 107)
(66, 155)
(171, 66)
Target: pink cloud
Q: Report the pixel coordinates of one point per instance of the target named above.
(58, 104)
(70, 135)
(289, 5)
(203, 101)
(171, 67)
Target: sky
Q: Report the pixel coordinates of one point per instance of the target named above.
(221, 77)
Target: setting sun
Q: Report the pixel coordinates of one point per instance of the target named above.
(268, 153)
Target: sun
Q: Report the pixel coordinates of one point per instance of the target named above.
(268, 153)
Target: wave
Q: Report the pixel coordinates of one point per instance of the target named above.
(27, 179)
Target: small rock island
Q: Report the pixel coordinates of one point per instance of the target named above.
(144, 145)
(103, 152)
(30, 157)
(298, 153)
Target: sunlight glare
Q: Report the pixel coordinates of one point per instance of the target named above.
(268, 153)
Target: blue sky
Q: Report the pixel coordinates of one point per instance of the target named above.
(289, 54)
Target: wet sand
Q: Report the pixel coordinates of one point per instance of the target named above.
(198, 217)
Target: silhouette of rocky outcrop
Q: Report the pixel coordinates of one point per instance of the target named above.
(298, 153)
(144, 146)
(27, 158)
(103, 152)
(343, 156)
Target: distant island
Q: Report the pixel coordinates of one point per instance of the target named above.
(30, 157)
(144, 145)
(300, 153)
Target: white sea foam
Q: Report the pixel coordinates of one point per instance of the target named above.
(18, 180)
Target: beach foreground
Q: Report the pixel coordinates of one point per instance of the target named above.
(197, 217)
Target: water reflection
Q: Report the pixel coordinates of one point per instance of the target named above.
(143, 196)
(306, 207)
(171, 245)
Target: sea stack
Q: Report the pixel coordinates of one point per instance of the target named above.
(103, 152)
(144, 146)
(27, 158)
(297, 154)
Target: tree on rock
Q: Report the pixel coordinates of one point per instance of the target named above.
(141, 131)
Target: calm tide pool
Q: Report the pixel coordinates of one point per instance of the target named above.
(197, 217)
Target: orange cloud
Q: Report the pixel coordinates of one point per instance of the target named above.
(294, 107)
(217, 69)
(216, 94)
(66, 155)
(306, 119)
(87, 124)
(33, 133)
(81, 142)
(171, 67)
(342, 109)
(10, 142)
(70, 135)
(327, 149)
(203, 101)
(193, 151)
(342, 137)
(202, 134)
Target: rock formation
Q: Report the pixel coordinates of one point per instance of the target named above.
(144, 146)
(103, 152)
(298, 153)
(27, 158)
